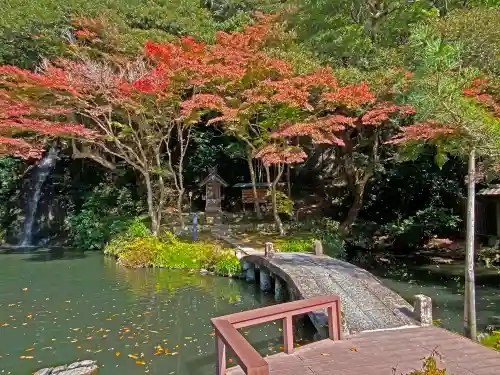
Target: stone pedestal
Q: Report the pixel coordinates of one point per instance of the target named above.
(318, 247)
(268, 249)
(265, 280)
(422, 309)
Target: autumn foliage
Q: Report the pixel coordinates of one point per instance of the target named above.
(479, 92)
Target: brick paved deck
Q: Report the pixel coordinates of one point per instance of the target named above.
(391, 352)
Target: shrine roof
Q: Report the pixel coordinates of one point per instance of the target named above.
(249, 185)
(213, 176)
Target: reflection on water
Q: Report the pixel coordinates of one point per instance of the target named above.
(56, 310)
(444, 284)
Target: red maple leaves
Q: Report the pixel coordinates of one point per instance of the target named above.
(234, 77)
(423, 131)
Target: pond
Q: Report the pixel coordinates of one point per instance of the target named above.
(56, 308)
(444, 283)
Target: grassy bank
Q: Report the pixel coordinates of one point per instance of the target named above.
(136, 247)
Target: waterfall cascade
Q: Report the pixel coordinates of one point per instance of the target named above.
(42, 171)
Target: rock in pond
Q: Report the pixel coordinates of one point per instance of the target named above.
(87, 367)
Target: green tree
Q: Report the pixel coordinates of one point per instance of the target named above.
(459, 118)
(477, 31)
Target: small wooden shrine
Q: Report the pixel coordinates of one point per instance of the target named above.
(213, 191)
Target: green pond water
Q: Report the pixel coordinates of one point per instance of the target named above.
(59, 309)
(444, 283)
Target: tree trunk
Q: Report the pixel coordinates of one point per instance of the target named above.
(155, 225)
(352, 214)
(179, 207)
(470, 328)
(277, 219)
(254, 188)
(288, 181)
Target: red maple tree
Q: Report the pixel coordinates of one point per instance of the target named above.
(138, 110)
(142, 110)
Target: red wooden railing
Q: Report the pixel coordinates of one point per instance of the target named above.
(227, 335)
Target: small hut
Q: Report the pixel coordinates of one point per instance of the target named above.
(247, 196)
(213, 191)
(488, 222)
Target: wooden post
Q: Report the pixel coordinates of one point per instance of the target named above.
(288, 334)
(334, 324)
(220, 349)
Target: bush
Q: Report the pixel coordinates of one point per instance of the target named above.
(430, 367)
(414, 230)
(493, 340)
(294, 245)
(136, 247)
(325, 230)
(490, 256)
(328, 233)
(106, 211)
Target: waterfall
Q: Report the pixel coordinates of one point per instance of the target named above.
(40, 174)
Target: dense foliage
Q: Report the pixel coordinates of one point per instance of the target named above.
(313, 94)
(137, 247)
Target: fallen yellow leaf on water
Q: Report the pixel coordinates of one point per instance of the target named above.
(26, 357)
(117, 354)
(30, 316)
(29, 350)
(140, 362)
(5, 325)
(354, 350)
(133, 356)
(325, 354)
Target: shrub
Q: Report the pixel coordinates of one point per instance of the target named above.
(136, 247)
(414, 230)
(490, 256)
(328, 233)
(106, 211)
(493, 340)
(325, 230)
(294, 245)
(430, 367)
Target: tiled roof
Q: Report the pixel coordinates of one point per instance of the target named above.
(490, 190)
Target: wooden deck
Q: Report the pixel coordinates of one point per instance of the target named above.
(390, 352)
